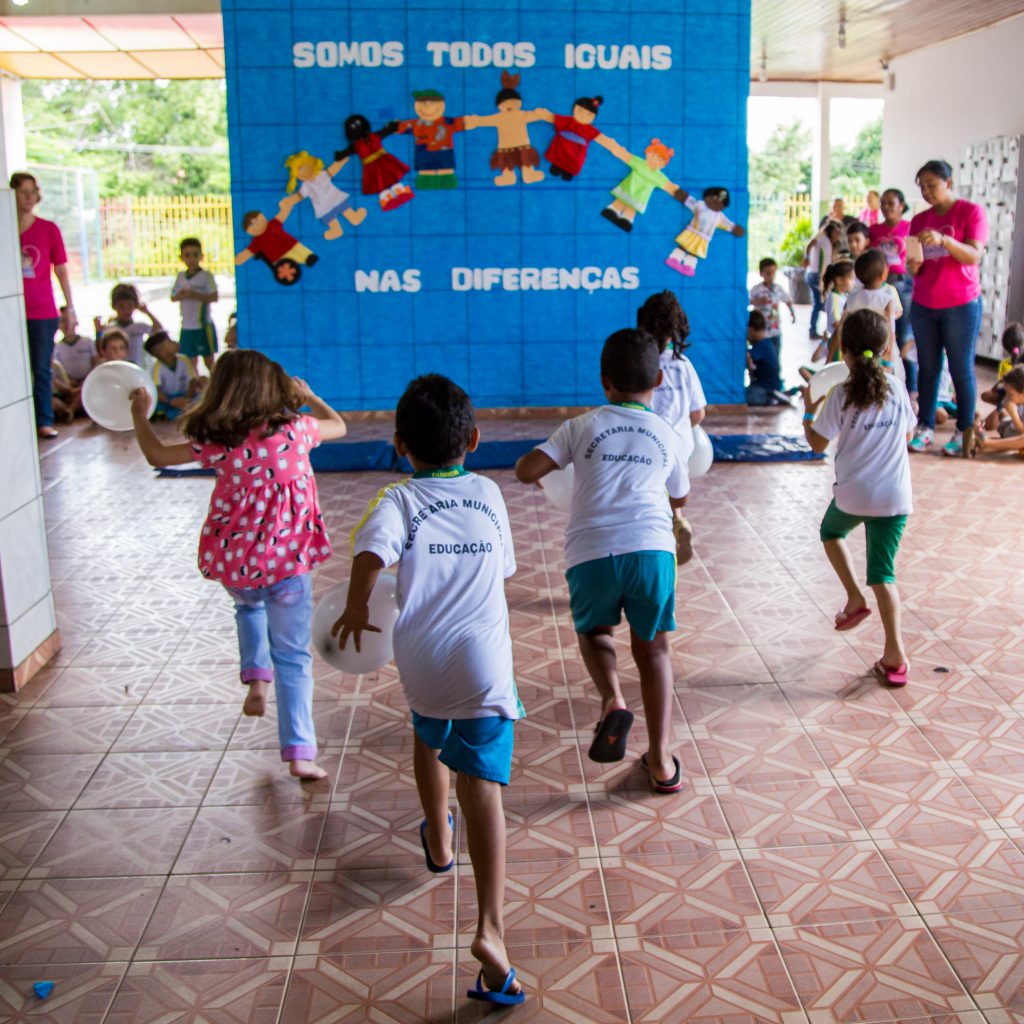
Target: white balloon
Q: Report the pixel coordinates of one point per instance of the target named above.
(106, 390)
(377, 648)
(702, 455)
(828, 378)
(557, 486)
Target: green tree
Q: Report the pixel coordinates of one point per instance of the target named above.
(857, 168)
(143, 138)
(784, 164)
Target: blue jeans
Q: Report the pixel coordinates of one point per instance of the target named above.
(818, 306)
(40, 357)
(904, 285)
(955, 332)
(273, 643)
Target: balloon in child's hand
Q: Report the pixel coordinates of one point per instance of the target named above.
(376, 649)
(702, 455)
(827, 378)
(106, 390)
(557, 486)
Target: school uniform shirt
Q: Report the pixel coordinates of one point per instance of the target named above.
(835, 303)
(766, 300)
(678, 395)
(76, 357)
(449, 533)
(194, 314)
(872, 465)
(625, 458)
(876, 299)
(173, 381)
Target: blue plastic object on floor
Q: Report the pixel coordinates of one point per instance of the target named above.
(363, 456)
(42, 988)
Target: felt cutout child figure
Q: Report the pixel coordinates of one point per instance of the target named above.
(573, 135)
(692, 243)
(514, 152)
(309, 179)
(433, 140)
(270, 242)
(382, 172)
(633, 193)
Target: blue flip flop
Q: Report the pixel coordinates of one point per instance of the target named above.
(431, 866)
(502, 997)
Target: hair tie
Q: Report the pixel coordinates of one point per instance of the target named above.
(1016, 352)
(868, 354)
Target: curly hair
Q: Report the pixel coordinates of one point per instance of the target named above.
(662, 317)
(865, 336)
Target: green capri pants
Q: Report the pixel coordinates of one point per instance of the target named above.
(883, 535)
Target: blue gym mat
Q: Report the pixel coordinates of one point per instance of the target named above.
(380, 456)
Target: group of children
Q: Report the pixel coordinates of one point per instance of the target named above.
(449, 534)
(173, 364)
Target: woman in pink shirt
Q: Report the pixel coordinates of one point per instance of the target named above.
(872, 213)
(42, 251)
(946, 314)
(890, 236)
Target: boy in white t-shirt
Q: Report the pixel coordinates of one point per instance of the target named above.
(872, 269)
(871, 418)
(448, 530)
(622, 543)
(177, 383)
(195, 290)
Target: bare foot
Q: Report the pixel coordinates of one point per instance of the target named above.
(255, 704)
(308, 771)
(489, 949)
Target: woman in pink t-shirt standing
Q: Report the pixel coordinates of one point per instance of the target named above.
(890, 236)
(42, 251)
(946, 314)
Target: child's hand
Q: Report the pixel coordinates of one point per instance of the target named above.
(97, 325)
(140, 402)
(810, 404)
(305, 392)
(684, 539)
(353, 623)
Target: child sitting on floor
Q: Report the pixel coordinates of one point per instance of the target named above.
(67, 395)
(112, 345)
(871, 416)
(452, 644)
(75, 352)
(177, 382)
(1013, 346)
(765, 387)
(1011, 428)
(623, 540)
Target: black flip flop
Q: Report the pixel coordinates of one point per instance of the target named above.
(610, 735)
(672, 785)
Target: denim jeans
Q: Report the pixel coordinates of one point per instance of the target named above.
(818, 305)
(955, 332)
(273, 643)
(904, 285)
(40, 357)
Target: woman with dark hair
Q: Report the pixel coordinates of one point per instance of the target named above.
(42, 251)
(946, 313)
(890, 236)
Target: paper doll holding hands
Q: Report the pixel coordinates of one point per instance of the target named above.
(382, 172)
(692, 243)
(634, 192)
(309, 179)
(573, 135)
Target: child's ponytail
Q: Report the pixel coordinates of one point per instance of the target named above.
(834, 271)
(865, 335)
(1013, 342)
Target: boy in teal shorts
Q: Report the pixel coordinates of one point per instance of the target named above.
(195, 289)
(624, 538)
(449, 533)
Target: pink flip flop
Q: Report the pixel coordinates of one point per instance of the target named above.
(849, 620)
(893, 676)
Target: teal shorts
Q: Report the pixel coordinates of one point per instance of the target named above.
(198, 341)
(481, 747)
(882, 533)
(641, 583)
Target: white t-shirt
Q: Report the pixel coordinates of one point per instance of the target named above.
(76, 358)
(766, 300)
(819, 255)
(835, 303)
(625, 458)
(194, 314)
(872, 465)
(323, 194)
(876, 299)
(678, 395)
(705, 220)
(451, 538)
(173, 382)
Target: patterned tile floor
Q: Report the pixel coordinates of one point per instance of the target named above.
(841, 852)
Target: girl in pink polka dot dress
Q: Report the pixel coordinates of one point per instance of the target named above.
(264, 532)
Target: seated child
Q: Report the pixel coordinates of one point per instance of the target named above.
(1013, 346)
(622, 544)
(449, 533)
(177, 383)
(112, 345)
(679, 399)
(765, 387)
(231, 334)
(124, 298)
(1010, 429)
(767, 297)
(67, 395)
(75, 352)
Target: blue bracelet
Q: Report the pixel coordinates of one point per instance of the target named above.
(808, 417)
(884, 362)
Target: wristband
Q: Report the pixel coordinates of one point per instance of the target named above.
(808, 417)
(884, 362)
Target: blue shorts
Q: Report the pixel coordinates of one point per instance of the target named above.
(481, 747)
(641, 583)
(434, 159)
(336, 212)
(167, 411)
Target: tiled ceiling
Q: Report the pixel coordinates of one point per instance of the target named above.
(800, 38)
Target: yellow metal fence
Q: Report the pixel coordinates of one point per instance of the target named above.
(140, 235)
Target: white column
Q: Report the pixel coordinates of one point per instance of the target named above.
(821, 157)
(28, 622)
(12, 128)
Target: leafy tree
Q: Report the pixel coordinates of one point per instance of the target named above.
(143, 138)
(857, 168)
(784, 164)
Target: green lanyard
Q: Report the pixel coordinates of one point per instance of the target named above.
(442, 473)
(633, 405)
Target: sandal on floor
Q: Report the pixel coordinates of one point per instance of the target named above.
(672, 785)
(849, 620)
(610, 735)
(500, 996)
(893, 676)
(431, 866)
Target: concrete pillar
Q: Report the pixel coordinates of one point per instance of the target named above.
(821, 157)
(28, 621)
(12, 128)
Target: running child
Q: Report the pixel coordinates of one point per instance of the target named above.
(624, 537)
(448, 531)
(871, 418)
(263, 533)
(195, 290)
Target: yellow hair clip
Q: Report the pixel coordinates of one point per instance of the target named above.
(868, 354)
